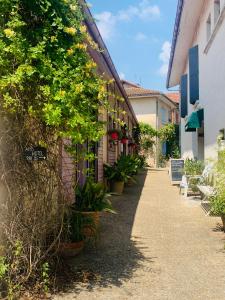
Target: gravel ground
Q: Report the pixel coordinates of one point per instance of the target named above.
(158, 247)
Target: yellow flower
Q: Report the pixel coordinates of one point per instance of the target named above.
(70, 51)
(53, 38)
(70, 30)
(62, 93)
(83, 29)
(81, 46)
(9, 32)
(91, 65)
(73, 7)
(79, 88)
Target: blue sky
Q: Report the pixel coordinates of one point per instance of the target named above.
(138, 35)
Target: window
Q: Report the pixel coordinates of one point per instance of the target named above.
(216, 10)
(208, 28)
(164, 117)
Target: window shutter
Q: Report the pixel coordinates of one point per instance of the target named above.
(184, 96)
(194, 74)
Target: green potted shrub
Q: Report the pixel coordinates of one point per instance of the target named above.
(193, 169)
(117, 175)
(217, 201)
(91, 199)
(73, 235)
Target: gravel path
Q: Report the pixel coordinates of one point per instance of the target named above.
(158, 247)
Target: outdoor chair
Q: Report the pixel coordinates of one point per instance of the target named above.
(205, 179)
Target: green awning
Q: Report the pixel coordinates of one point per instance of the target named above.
(195, 121)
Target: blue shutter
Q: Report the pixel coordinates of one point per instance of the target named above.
(194, 74)
(184, 96)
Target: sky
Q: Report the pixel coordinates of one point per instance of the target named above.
(138, 35)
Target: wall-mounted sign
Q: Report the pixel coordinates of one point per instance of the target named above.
(176, 170)
(35, 153)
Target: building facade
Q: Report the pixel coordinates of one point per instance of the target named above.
(153, 108)
(105, 151)
(197, 64)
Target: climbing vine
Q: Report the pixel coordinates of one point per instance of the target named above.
(50, 90)
(45, 69)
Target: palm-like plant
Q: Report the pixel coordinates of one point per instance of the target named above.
(92, 197)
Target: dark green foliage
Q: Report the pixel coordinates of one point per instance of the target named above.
(92, 197)
(73, 225)
(125, 168)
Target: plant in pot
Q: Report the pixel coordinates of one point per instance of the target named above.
(73, 242)
(91, 199)
(217, 201)
(124, 140)
(193, 168)
(115, 134)
(130, 164)
(117, 176)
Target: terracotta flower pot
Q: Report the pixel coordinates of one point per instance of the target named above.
(70, 249)
(124, 141)
(117, 187)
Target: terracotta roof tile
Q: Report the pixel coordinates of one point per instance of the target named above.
(140, 92)
(175, 97)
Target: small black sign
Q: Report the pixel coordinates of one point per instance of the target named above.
(177, 169)
(36, 154)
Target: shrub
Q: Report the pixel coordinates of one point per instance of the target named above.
(193, 167)
(218, 199)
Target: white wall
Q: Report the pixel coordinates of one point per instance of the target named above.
(212, 84)
(145, 110)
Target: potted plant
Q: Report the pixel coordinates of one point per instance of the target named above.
(118, 174)
(91, 199)
(114, 134)
(217, 201)
(124, 140)
(193, 169)
(115, 177)
(73, 234)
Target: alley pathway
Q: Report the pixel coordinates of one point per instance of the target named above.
(158, 247)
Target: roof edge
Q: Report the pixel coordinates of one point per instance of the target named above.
(175, 36)
(89, 20)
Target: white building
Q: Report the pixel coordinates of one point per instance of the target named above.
(153, 108)
(197, 64)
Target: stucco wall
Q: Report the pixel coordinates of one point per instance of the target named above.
(145, 110)
(212, 86)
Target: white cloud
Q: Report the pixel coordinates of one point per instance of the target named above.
(164, 58)
(140, 36)
(144, 10)
(122, 75)
(107, 21)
